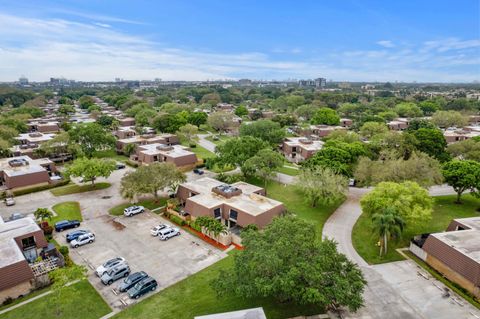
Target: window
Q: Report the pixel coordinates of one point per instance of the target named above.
(28, 242)
(217, 213)
(233, 214)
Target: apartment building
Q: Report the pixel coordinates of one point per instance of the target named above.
(23, 171)
(297, 149)
(176, 154)
(145, 139)
(29, 142)
(236, 205)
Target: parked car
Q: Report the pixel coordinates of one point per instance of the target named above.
(198, 171)
(120, 166)
(156, 230)
(75, 234)
(132, 280)
(84, 239)
(142, 287)
(351, 182)
(106, 266)
(9, 201)
(15, 216)
(167, 233)
(66, 224)
(120, 271)
(133, 210)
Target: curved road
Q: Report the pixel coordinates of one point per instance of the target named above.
(394, 290)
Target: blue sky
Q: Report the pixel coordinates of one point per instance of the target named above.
(424, 41)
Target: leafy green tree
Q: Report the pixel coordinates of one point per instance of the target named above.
(4, 148)
(370, 129)
(86, 101)
(43, 214)
(404, 144)
(411, 202)
(188, 133)
(197, 118)
(288, 262)
(285, 119)
(237, 150)
(211, 98)
(91, 168)
(468, 149)
(462, 176)
(306, 111)
(169, 123)
(66, 109)
(387, 224)
(241, 110)
(91, 137)
(220, 121)
(416, 124)
(343, 136)
(94, 107)
(408, 109)
(419, 168)
(211, 226)
(129, 149)
(429, 107)
(60, 145)
(326, 116)
(263, 164)
(145, 116)
(322, 185)
(445, 119)
(432, 142)
(162, 99)
(266, 130)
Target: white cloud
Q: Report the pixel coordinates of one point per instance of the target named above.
(386, 44)
(43, 48)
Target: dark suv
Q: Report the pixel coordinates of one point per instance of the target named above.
(142, 287)
(131, 280)
(66, 224)
(75, 234)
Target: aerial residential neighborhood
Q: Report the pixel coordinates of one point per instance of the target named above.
(240, 160)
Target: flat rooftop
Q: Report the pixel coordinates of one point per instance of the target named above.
(9, 251)
(34, 165)
(140, 138)
(314, 145)
(35, 137)
(248, 201)
(472, 222)
(171, 151)
(465, 241)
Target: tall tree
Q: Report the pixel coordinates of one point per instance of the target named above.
(288, 262)
(410, 201)
(91, 168)
(267, 130)
(322, 185)
(220, 121)
(91, 137)
(370, 129)
(326, 116)
(387, 224)
(445, 119)
(432, 142)
(263, 164)
(188, 133)
(462, 176)
(468, 149)
(237, 150)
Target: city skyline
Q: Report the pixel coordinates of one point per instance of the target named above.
(407, 42)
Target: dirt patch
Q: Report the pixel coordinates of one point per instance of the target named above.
(115, 223)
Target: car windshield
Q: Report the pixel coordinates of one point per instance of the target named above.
(110, 262)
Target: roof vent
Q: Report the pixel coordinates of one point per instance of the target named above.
(226, 190)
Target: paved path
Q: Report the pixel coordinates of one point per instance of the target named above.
(206, 143)
(394, 290)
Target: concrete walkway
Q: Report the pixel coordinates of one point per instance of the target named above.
(202, 140)
(394, 290)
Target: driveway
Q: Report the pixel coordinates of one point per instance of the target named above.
(206, 143)
(394, 290)
(168, 262)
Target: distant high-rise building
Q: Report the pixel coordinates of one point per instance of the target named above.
(320, 82)
(23, 80)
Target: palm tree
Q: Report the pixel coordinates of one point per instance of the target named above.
(387, 224)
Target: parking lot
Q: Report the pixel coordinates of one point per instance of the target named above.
(129, 237)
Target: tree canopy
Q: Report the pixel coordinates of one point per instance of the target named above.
(322, 185)
(462, 176)
(326, 116)
(91, 137)
(91, 168)
(266, 130)
(237, 150)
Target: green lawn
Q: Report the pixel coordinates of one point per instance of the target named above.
(201, 152)
(295, 202)
(80, 298)
(444, 211)
(24, 298)
(288, 170)
(74, 188)
(147, 203)
(110, 154)
(221, 139)
(193, 296)
(67, 210)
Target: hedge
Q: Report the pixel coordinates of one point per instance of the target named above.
(40, 188)
(131, 163)
(177, 220)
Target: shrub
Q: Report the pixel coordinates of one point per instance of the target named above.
(131, 163)
(7, 301)
(193, 145)
(64, 251)
(230, 178)
(177, 220)
(195, 226)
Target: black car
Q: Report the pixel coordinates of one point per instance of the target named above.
(66, 224)
(120, 166)
(131, 280)
(75, 234)
(198, 171)
(142, 287)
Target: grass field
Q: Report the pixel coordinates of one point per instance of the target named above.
(78, 299)
(24, 298)
(66, 210)
(201, 152)
(288, 170)
(444, 211)
(110, 154)
(74, 188)
(147, 203)
(193, 296)
(221, 139)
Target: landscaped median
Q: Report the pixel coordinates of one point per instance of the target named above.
(150, 204)
(365, 240)
(77, 300)
(66, 210)
(75, 188)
